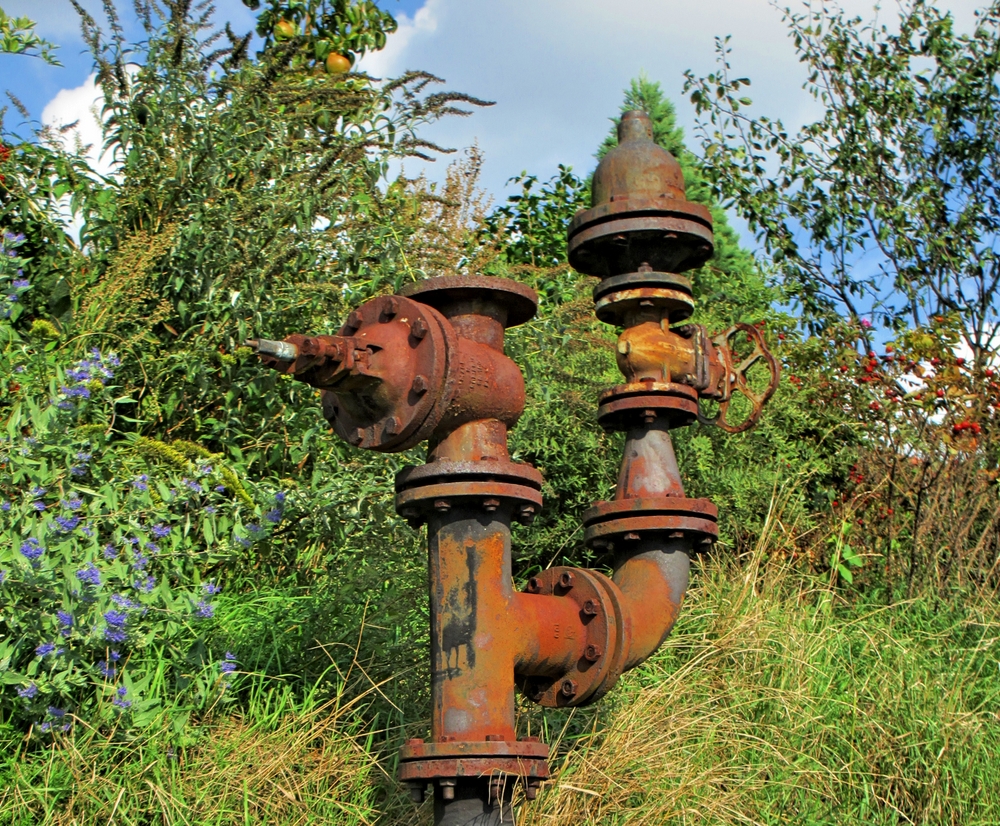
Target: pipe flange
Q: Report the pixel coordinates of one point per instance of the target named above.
(627, 405)
(438, 486)
(668, 234)
(610, 525)
(597, 671)
(518, 301)
(616, 297)
(526, 760)
(408, 347)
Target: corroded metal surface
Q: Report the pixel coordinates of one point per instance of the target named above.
(430, 365)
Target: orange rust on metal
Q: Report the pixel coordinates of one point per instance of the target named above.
(430, 365)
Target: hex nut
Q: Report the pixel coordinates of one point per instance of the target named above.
(590, 608)
(442, 505)
(490, 505)
(534, 585)
(392, 425)
(568, 688)
(592, 653)
(419, 385)
(418, 329)
(566, 580)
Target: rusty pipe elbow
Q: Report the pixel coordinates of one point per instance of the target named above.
(652, 581)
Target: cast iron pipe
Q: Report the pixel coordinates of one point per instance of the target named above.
(430, 365)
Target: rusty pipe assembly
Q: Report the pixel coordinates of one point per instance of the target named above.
(429, 364)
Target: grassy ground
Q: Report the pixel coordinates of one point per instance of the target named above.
(774, 702)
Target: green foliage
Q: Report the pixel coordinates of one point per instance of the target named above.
(886, 205)
(17, 36)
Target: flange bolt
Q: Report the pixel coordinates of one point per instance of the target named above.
(568, 688)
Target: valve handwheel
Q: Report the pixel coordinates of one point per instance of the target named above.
(737, 379)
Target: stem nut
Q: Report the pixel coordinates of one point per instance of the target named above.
(447, 789)
(590, 608)
(442, 505)
(592, 653)
(568, 688)
(490, 505)
(419, 385)
(566, 580)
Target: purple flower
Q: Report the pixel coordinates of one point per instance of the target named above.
(29, 692)
(115, 634)
(191, 484)
(45, 726)
(145, 585)
(89, 575)
(273, 516)
(45, 649)
(110, 552)
(39, 506)
(86, 531)
(67, 523)
(220, 488)
(209, 509)
(84, 457)
(107, 671)
(76, 391)
(211, 588)
(279, 497)
(3, 576)
(37, 491)
(78, 470)
(74, 504)
(160, 531)
(31, 549)
(139, 483)
(65, 619)
(205, 610)
(153, 548)
(20, 284)
(866, 323)
(4, 506)
(228, 665)
(117, 619)
(56, 712)
(115, 656)
(120, 700)
(242, 541)
(123, 601)
(139, 560)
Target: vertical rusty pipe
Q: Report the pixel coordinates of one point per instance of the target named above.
(472, 682)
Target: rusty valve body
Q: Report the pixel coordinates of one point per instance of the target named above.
(430, 364)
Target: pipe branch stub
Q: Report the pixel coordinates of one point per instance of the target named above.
(612, 525)
(605, 647)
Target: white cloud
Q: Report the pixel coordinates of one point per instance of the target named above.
(557, 68)
(390, 60)
(80, 106)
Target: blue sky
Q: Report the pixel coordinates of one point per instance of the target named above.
(556, 68)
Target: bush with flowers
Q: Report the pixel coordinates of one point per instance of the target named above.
(111, 545)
